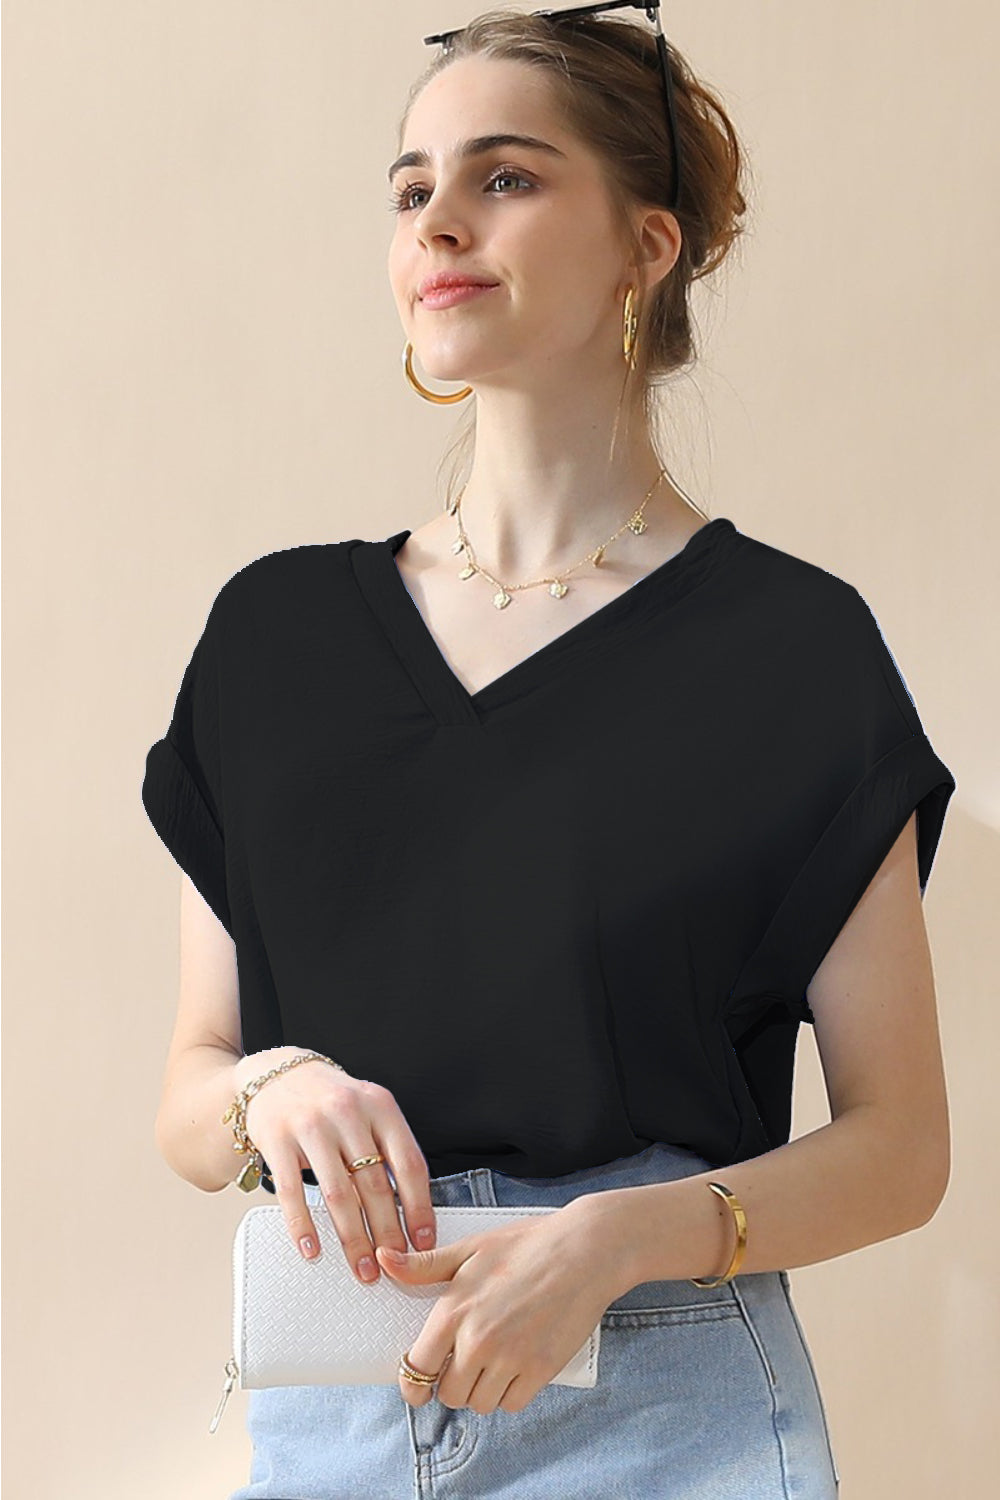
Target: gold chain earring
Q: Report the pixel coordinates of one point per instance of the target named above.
(422, 390)
(629, 328)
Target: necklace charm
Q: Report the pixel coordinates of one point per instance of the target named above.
(558, 589)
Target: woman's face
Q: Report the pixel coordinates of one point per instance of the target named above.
(538, 222)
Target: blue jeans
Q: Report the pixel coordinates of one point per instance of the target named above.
(703, 1393)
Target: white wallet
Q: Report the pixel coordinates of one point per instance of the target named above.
(311, 1322)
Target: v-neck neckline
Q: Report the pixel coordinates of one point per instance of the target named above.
(447, 697)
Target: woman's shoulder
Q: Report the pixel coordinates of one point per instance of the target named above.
(791, 578)
(283, 580)
(821, 638)
(786, 595)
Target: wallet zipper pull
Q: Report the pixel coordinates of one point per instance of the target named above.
(232, 1370)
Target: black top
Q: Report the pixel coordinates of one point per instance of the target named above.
(574, 912)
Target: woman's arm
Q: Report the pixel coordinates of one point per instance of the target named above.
(199, 1080)
(205, 1066)
(879, 1169)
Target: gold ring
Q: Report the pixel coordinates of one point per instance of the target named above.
(412, 1374)
(365, 1161)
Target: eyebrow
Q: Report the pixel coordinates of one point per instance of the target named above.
(477, 146)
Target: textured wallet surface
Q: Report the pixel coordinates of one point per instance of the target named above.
(311, 1322)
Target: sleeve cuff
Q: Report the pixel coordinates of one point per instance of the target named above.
(839, 869)
(183, 821)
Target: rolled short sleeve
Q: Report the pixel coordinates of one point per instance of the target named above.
(182, 788)
(881, 751)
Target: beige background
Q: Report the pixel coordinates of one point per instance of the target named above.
(202, 363)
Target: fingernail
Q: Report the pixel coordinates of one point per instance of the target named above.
(367, 1268)
(424, 1236)
(307, 1245)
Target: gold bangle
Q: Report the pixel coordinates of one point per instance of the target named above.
(741, 1238)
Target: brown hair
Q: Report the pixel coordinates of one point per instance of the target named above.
(593, 64)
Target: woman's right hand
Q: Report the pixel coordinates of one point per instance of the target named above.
(317, 1116)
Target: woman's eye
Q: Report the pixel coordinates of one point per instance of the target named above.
(402, 201)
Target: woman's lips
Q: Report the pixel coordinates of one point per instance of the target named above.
(450, 296)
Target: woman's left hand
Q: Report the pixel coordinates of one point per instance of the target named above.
(521, 1300)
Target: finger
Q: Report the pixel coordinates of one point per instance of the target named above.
(419, 1395)
(286, 1174)
(432, 1353)
(414, 1394)
(375, 1194)
(409, 1168)
(344, 1206)
(491, 1390)
(454, 1387)
(517, 1395)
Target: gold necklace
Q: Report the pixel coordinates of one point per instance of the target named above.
(558, 588)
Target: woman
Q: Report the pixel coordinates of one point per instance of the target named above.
(549, 822)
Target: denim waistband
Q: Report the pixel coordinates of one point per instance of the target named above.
(658, 1162)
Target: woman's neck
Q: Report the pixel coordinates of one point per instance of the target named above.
(523, 521)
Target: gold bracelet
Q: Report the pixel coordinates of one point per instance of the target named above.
(251, 1173)
(741, 1238)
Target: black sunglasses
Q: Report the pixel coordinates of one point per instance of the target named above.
(652, 14)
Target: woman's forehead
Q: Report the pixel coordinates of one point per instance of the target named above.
(490, 93)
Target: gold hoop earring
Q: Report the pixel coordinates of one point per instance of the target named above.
(422, 390)
(629, 328)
